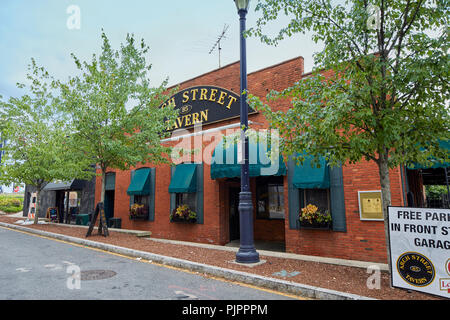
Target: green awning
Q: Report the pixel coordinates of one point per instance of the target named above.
(224, 162)
(184, 179)
(435, 163)
(308, 176)
(140, 183)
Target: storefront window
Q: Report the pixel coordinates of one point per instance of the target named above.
(142, 200)
(318, 197)
(270, 198)
(74, 199)
(186, 198)
(74, 202)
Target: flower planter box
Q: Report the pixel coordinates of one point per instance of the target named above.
(139, 217)
(139, 214)
(314, 225)
(177, 219)
(183, 214)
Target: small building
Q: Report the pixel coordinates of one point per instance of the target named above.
(69, 198)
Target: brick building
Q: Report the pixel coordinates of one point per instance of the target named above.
(212, 191)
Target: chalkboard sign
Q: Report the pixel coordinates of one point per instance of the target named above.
(52, 214)
(102, 225)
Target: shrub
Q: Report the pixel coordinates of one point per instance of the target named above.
(11, 204)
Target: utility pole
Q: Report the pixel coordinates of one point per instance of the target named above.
(2, 152)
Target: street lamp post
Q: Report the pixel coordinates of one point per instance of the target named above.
(247, 252)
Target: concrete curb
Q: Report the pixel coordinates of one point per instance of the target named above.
(233, 275)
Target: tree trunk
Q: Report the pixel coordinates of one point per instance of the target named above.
(38, 206)
(383, 167)
(102, 196)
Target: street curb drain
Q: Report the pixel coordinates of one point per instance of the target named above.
(233, 275)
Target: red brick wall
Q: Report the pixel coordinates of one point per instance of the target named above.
(364, 240)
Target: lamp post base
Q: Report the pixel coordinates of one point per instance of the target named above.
(247, 255)
(247, 252)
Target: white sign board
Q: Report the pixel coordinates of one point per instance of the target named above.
(420, 249)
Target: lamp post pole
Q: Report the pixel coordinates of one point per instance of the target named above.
(247, 252)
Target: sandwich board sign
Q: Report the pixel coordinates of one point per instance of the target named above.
(32, 208)
(420, 249)
(102, 225)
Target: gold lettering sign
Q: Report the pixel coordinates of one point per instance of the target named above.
(203, 104)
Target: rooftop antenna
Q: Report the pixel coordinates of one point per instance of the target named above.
(217, 44)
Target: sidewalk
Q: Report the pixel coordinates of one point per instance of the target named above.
(306, 276)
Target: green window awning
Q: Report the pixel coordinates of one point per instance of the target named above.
(184, 179)
(224, 162)
(308, 176)
(140, 183)
(435, 163)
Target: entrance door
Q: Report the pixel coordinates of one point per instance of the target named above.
(234, 213)
(109, 204)
(59, 203)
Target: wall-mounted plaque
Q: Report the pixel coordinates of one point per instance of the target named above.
(370, 207)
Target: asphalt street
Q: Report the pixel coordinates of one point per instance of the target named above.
(33, 267)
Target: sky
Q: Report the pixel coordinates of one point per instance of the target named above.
(180, 33)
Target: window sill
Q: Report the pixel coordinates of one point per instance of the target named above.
(139, 217)
(314, 226)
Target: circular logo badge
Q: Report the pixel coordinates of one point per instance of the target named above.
(415, 269)
(185, 109)
(447, 266)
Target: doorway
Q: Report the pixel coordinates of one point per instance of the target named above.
(234, 213)
(59, 203)
(109, 204)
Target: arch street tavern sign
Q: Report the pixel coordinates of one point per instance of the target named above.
(205, 105)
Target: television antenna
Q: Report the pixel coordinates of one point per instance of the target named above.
(217, 44)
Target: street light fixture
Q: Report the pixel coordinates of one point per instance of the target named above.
(242, 4)
(247, 252)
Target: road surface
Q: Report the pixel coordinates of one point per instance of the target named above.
(34, 267)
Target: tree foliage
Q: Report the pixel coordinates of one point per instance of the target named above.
(379, 90)
(373, 90)
(114, 112)
(39, 148)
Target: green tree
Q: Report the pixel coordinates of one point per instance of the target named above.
(435, 191)
(114, 112)
(38, 148)
(379, 87)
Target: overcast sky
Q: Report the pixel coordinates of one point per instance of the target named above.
(180, 33)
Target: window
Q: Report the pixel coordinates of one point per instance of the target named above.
(187, 198)
(318, 197)
(75, 199)
(186, 187)
(142, 200)
(142, 194)
(270, 198)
